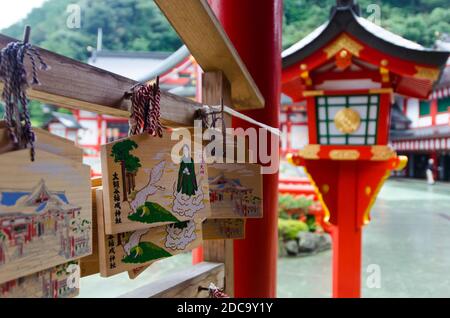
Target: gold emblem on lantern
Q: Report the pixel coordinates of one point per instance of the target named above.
(344, 154)
(347, 120)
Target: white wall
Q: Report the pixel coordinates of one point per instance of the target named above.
(299, 137)
(442, 119)
(412, 111)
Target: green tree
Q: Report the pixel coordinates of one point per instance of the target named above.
(129, 164)
(138, 25)
(132, 165)
(128, 25)
(416, 20)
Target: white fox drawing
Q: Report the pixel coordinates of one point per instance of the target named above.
(134, 240)
(150, 188)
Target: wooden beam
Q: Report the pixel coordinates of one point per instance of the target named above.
(205, 38)
(215, 88)
(76, 85)
(222, 251)
(183, 284)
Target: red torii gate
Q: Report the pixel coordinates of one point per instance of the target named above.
(347, 70)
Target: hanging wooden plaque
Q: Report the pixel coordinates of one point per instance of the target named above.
(215, 229)
(235, 190)
(61, 281)
(143, 186)
(135, 272)
(132, 250)
(45, 212)
(90, 265)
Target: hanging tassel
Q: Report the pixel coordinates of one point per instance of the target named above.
(14, 77)
(214, 291)
(145, 110)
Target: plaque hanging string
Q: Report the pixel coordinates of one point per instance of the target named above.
(205, 113)
(214, 291)
(15, 83)
(145, 109)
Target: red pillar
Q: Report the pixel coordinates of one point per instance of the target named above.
(347, 236)
(255, 28)
(197, 255)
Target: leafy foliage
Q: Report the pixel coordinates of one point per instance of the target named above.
(128, 25)
(288, 229)
(289, 202)
(40, 114)
(138, 25)
(416, 20)
(121, 153)
(132, 164)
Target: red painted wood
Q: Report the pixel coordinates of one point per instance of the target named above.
(347, 236)
(255, 29)
(197, 255)
(384, 114)
(312, 118)
(319, 78)
(433, 111)
(347, 189)
(402, 68)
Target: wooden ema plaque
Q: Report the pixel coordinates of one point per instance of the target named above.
(235, 190)
(57, 282)
(90, 265)
(131, 251)
(215, 229)
(143, 187)
(45, 212)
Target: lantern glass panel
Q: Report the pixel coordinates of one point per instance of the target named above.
(364, 122)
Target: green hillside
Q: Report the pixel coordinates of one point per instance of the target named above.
(128, 25)
(145, 252)
(152, 212)
(138, 25)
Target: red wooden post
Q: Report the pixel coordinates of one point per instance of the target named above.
(347, 236)
(197, 255)
(255, 28)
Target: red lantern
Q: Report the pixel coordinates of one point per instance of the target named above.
(354, 69)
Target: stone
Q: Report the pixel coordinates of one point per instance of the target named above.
(307, 242)
(291, 247)
(282, 252)
(324, 242)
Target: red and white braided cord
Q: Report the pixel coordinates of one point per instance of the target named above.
(215, 292)
(145, 111)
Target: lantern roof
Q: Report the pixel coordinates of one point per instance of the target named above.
(417, 69)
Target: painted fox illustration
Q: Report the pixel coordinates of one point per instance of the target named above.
(150, 188)
(134, 240)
